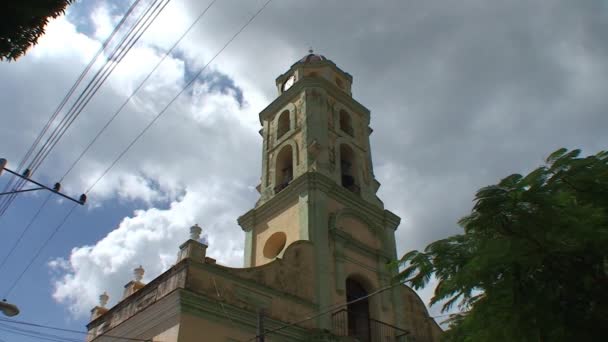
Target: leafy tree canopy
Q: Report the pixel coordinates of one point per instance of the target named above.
(532, 264)
(22, 22)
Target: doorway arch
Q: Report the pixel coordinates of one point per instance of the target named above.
(358, 312)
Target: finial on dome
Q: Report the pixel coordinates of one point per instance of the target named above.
(103, 299)
(310, 50)
(195, 232)
(138, 273)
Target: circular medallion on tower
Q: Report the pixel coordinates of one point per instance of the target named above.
(274, 245)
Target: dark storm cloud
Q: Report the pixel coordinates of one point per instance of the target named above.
(461, 93)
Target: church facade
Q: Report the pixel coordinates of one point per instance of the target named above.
(317, 243)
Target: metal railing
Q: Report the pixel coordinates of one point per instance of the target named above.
(366, 329)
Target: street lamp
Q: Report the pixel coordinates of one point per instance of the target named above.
(8, 309)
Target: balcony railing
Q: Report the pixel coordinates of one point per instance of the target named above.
(365, 329)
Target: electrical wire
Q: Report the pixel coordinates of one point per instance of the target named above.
(35, 334)
(58, 227)
(329, 309)
(92, 89)
(31, 261)
(123, 105)
(107, 124)
(42, 326)
(27, 227)
(70, 92)
(177, 95)
(125, 45)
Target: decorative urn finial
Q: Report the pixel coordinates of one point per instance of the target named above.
(103, 299)
(195, 232)
(139, 273)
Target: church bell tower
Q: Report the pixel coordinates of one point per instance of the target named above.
(318, 241)
(318, 185)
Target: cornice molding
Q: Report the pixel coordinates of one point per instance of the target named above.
(312, 82)
(228, 273)
(210, 308)
(281, 78)
(354, 244)
(317, 181)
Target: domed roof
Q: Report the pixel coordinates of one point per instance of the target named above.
(312, 57)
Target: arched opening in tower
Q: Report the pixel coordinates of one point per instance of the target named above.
(347, 168)
(358, 312)
(346, 124)
(284, 168)
(283, 124)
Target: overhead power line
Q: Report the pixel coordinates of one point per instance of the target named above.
(58, 227)
(106, 126)
(118, 53)
(38, 251)
(70, 92)
(177, 95)
(24, 231)
(124, 104)
(42, 326)
(329, 309)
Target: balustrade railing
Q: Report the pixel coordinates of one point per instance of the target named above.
(366, 329)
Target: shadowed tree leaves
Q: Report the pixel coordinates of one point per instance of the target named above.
(22, 22)
(532, 264)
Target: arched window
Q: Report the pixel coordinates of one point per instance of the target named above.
(346, 124)
(348, 168)
(358, 312)
(283, 124)
(284, 168)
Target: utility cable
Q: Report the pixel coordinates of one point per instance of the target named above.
(178, 94)
(58, 227)
(100, 77)
(106, 126)
(27, 227)
(31, 261)
(35, 334)
(329, 309)
(124, 104)
(70, 92)
(132, 36)
(42, 326)
(64, 101)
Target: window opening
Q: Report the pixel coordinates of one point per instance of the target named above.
(346, 123)
(283, 124)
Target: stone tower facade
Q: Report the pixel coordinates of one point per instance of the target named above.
(317, 242)
(318, 185)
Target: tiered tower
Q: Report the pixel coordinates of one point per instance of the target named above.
(318, 185)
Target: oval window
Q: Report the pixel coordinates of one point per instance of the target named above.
(274, 245)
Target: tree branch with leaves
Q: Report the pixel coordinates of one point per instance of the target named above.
(22, 22)
(532, 263)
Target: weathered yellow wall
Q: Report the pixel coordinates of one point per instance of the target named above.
(359, 231)
(197, 329)
(287, 221)
(169, 335)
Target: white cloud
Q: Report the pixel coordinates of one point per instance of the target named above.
(459, 99)
(151, 238)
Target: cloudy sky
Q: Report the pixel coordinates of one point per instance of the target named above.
(461, 94)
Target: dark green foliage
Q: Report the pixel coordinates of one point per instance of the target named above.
(532, 264)
(22, 22)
